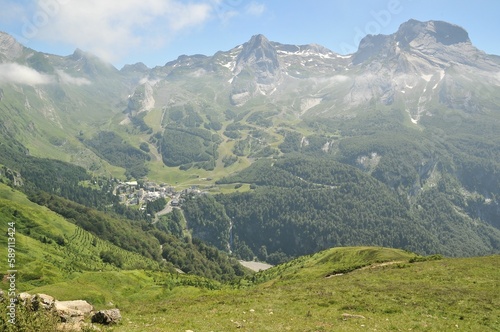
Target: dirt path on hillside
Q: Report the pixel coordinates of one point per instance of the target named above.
(377, 265)
(372, 266)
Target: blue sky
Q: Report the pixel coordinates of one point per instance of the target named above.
(157, 31)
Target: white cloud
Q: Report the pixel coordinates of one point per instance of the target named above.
(186, 16)
(68, 79)
(227, 10)
(255, 9)
(18, 74)
(15, 73)
(11, 11)
(226, 16)
(112, 29)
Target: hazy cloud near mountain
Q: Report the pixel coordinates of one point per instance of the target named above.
(18, 74)
(112, 29)
(68, 79)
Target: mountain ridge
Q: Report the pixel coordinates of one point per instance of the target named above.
(416, 111)
(437, 72)
(270, 152)
(443, 32)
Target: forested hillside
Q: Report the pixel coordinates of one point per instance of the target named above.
(302, 205)
(65, 190)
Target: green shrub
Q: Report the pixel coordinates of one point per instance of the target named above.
(111, 257)
(27, 320)
(416, 259)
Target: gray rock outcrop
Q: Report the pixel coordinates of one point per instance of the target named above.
(107, 317)
(9, 47)
(42, 301)
(73, 311)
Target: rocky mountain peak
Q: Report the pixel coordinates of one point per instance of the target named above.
(433, 38)
(9, 47)
(260, 55)
(257, 60)
(371, 46)
(258, 49)
(257, 41)
(90, 64)
(79, 54)
(440, 32)
(137, 67)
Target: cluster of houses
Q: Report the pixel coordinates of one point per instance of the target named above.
(134, 193)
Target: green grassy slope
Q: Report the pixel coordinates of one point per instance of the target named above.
(389, 292)
(50, 249)
(311, 293)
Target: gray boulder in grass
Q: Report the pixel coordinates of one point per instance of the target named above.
(107, 317)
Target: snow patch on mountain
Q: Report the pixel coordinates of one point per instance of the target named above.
(441, 76)
(230, 65)
(427, 78)
(239, 99)
(308, 103)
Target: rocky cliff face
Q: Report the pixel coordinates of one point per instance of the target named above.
(414, 32)
(260, 58)
(423, 65)
(433, 40)
(10, 49)
(257, 69)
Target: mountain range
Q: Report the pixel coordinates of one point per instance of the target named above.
(342, 170)
(423, 68)
(412, 116)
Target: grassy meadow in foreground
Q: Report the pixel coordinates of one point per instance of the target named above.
(391, 294)
(383, 292)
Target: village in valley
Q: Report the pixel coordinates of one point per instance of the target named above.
(140, 193)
